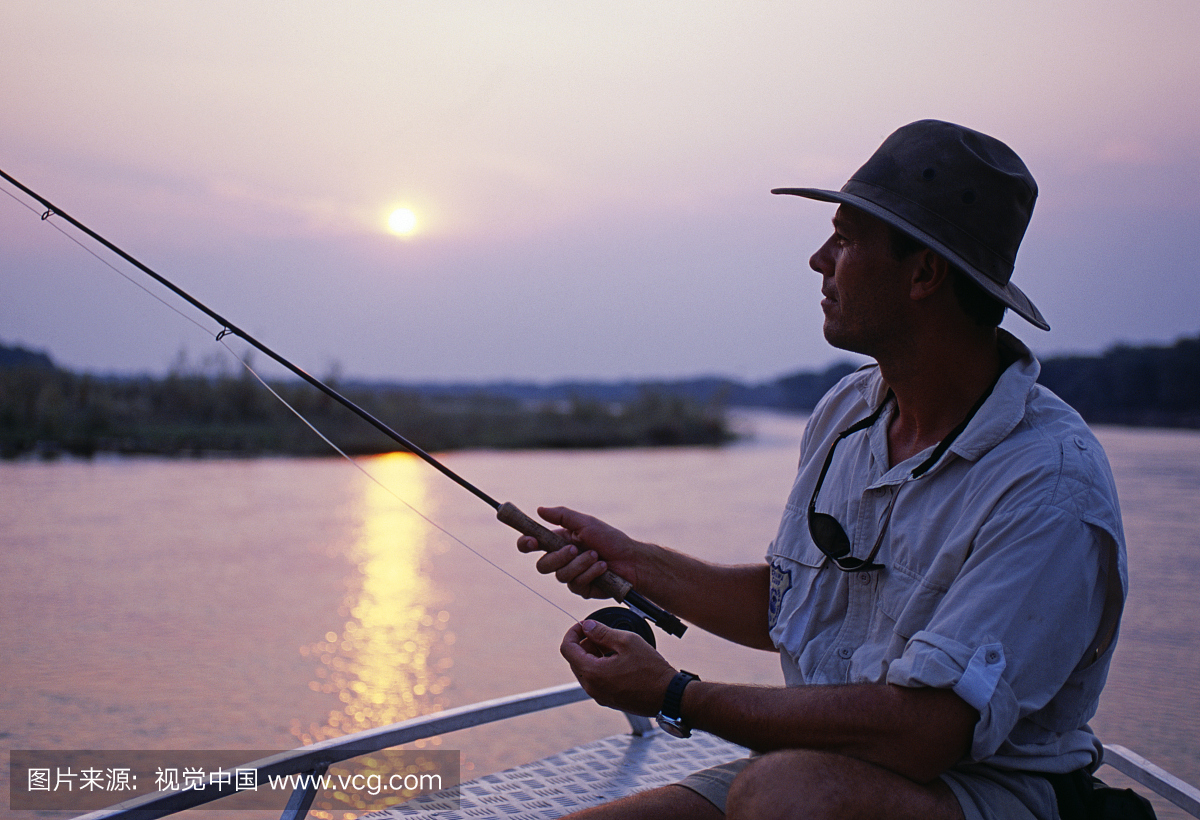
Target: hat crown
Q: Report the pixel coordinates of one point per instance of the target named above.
(965, 190)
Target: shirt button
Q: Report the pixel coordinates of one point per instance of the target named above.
(993, 656)
(845, 652)
(864, 577)
(1080, 443)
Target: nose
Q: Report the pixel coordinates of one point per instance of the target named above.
(821, 259)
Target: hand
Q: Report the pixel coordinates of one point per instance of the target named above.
(595, 547)
(617, 668)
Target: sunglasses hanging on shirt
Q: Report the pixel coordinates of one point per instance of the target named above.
(828, 533)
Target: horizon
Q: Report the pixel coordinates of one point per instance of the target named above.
(540, 193)
(225, 367)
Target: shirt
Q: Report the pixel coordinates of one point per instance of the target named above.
(1004, 567)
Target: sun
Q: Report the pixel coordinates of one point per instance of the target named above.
(402, 222)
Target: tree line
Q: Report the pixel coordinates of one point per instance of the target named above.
(46, 409)
(1136, 386)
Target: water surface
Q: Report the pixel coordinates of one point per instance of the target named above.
(226, 604)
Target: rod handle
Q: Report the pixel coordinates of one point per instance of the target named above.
(609, 583)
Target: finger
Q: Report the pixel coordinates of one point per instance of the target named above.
(582, 652)
(587, 576)
(581, 584)
(615, 641)
(605, 636)
(565, 517)
(554, 561)
(527, 543)
(575, 634)
(570, 572)
(594, 649)
(572, 648)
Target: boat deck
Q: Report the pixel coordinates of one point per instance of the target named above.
(614, 767)
(584, 776)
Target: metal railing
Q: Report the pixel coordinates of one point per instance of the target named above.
(318, 757)
(1158, 780)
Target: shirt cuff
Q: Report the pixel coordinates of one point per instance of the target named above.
(975, 675)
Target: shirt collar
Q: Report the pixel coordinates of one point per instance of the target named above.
(1000, 414)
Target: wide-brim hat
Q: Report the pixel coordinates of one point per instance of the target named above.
(966, 195)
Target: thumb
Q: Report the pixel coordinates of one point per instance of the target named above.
(602, 634)
(564, 517)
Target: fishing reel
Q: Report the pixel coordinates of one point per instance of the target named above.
(618, 617)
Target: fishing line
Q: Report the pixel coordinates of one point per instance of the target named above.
(388, 489)
(46, 218)
(220, 338)
(609, 583)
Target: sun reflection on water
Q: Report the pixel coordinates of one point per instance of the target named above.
(392, 658)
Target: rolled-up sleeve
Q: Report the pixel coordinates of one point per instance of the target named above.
(1015, 624)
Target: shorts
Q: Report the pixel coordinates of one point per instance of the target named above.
(983, 792)
(987, 793)
(713, 784)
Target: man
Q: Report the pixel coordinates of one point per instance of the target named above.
(946, 582)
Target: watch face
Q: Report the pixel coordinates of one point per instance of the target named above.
(673, 726)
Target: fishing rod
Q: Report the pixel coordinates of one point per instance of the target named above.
(609, 583)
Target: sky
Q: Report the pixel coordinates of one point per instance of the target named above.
(587, 184)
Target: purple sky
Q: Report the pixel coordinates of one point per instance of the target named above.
(590, 181)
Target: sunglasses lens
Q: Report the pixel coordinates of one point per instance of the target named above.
(828, 535)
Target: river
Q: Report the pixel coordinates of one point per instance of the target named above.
(261, 604)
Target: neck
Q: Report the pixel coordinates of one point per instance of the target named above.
(936, 384)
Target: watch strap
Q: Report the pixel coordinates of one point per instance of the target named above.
(673, 699)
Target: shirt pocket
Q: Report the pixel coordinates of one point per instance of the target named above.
(796, 571)
(907, 601)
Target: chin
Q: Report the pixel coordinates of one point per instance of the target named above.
(833, 334)
(842, 340)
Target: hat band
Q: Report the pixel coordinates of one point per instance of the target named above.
(965, 248)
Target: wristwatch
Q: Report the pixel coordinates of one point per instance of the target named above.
(668, 716)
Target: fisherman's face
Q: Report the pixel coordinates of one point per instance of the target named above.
(864, 285)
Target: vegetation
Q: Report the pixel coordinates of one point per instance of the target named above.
(203, 410)
(1137, 386)
(1154, 386)
(46, 410)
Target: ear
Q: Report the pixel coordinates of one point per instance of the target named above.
(930, 274)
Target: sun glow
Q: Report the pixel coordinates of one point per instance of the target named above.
(392, 659)
(402, 222)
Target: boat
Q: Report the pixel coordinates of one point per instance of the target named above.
(585, 775)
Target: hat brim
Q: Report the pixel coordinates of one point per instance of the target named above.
(1009, 294)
